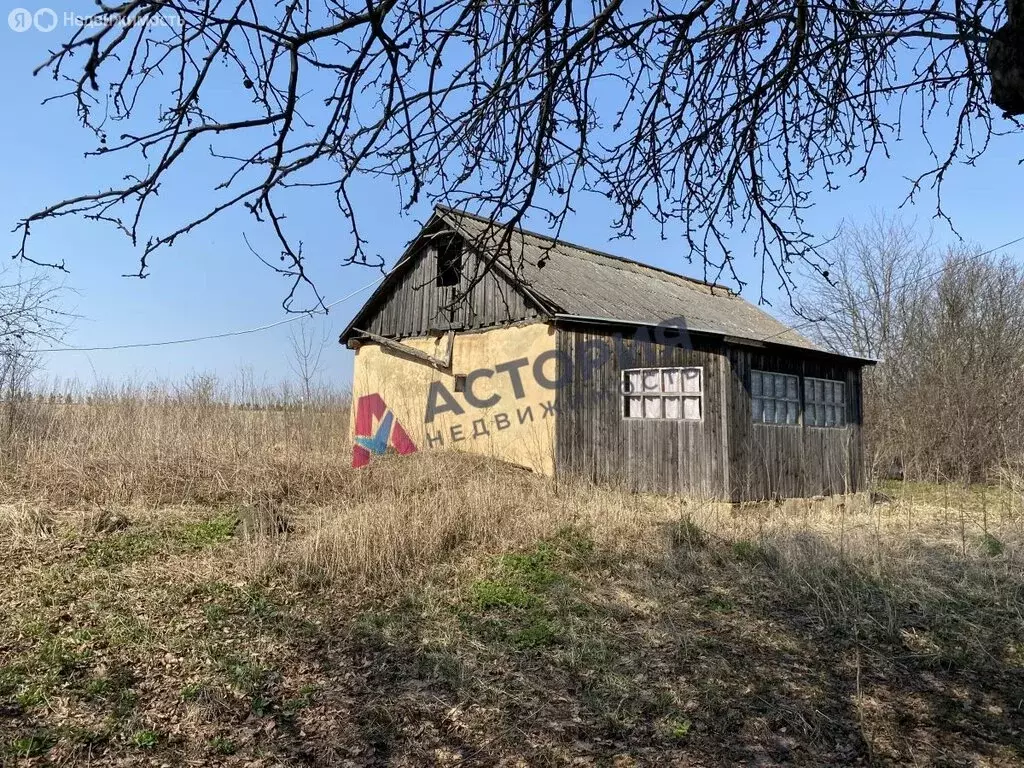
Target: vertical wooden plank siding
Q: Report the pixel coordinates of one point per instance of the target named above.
(725, 455)
(778, 460)
(594, 440)
(415, 303)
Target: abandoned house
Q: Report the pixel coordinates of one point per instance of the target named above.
(567, 360)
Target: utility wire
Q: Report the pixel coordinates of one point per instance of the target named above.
(225, 335)
(927, 276)
(284, 321)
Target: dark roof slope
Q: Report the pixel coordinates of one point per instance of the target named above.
(584, 283)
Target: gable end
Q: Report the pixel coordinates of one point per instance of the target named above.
(438, 285)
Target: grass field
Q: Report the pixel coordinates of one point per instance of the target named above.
(204, 587)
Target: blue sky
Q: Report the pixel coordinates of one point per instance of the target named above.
(210, 282)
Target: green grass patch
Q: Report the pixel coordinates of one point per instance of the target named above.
(86, 738)
(120, 549)
(11, 679)
(221, 746)
(496, 593)
(531, 569)
(250, 678)
(193, 691)
(517, 580)
(31, 694)
(110, 685)
(34, 744)
(539, 632)
(145, 739)
(303, 701)
(720, 602)
(215, 614)
(521, 600)
(677, 729)
(207, 533)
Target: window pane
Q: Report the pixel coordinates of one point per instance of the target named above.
(691, 380)
(791, 410)
(652, 407)
(830, 415)
(840, 393)
(634, 407)
(633, 381)
(758, 409)
(769, 411)
(791, 387)
(673, 409)
(691, 407)
(670, 380)
(819, 387)
(755, 383)
(651, 382)
(780, 385)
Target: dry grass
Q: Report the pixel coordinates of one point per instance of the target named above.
(161, 448)
(199, 596)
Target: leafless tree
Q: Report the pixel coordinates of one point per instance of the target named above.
(31, 314)
(307, 346)
(871, 303)
(700, 115)
(947, 328)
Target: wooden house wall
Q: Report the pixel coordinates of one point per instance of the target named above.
(779, 460)
(414, 303)
(725, 455)
(665, 456)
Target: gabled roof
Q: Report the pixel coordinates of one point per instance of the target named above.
(585, 283)
(570, 281)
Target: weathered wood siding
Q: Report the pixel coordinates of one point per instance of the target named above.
(666, 456)
(415, 303)
(725, 455)
(778, 460)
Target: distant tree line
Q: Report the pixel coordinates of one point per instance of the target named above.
(947, 328)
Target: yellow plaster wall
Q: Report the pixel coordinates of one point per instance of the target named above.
(404, 384)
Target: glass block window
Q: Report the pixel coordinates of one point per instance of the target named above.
(775, 398)
(663, 393)
(824, 403)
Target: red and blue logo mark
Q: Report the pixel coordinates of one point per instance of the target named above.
(389, 433)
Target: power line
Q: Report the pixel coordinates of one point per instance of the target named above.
(908, 283)
(284, 321)
(225, 335)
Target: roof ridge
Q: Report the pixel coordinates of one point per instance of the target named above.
(588, 249)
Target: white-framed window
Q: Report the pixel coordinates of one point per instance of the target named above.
(663, 393)
(824, 402)
(775, 398)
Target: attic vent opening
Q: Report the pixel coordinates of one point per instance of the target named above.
(449, 264)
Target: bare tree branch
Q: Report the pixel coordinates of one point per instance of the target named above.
(706, 115)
